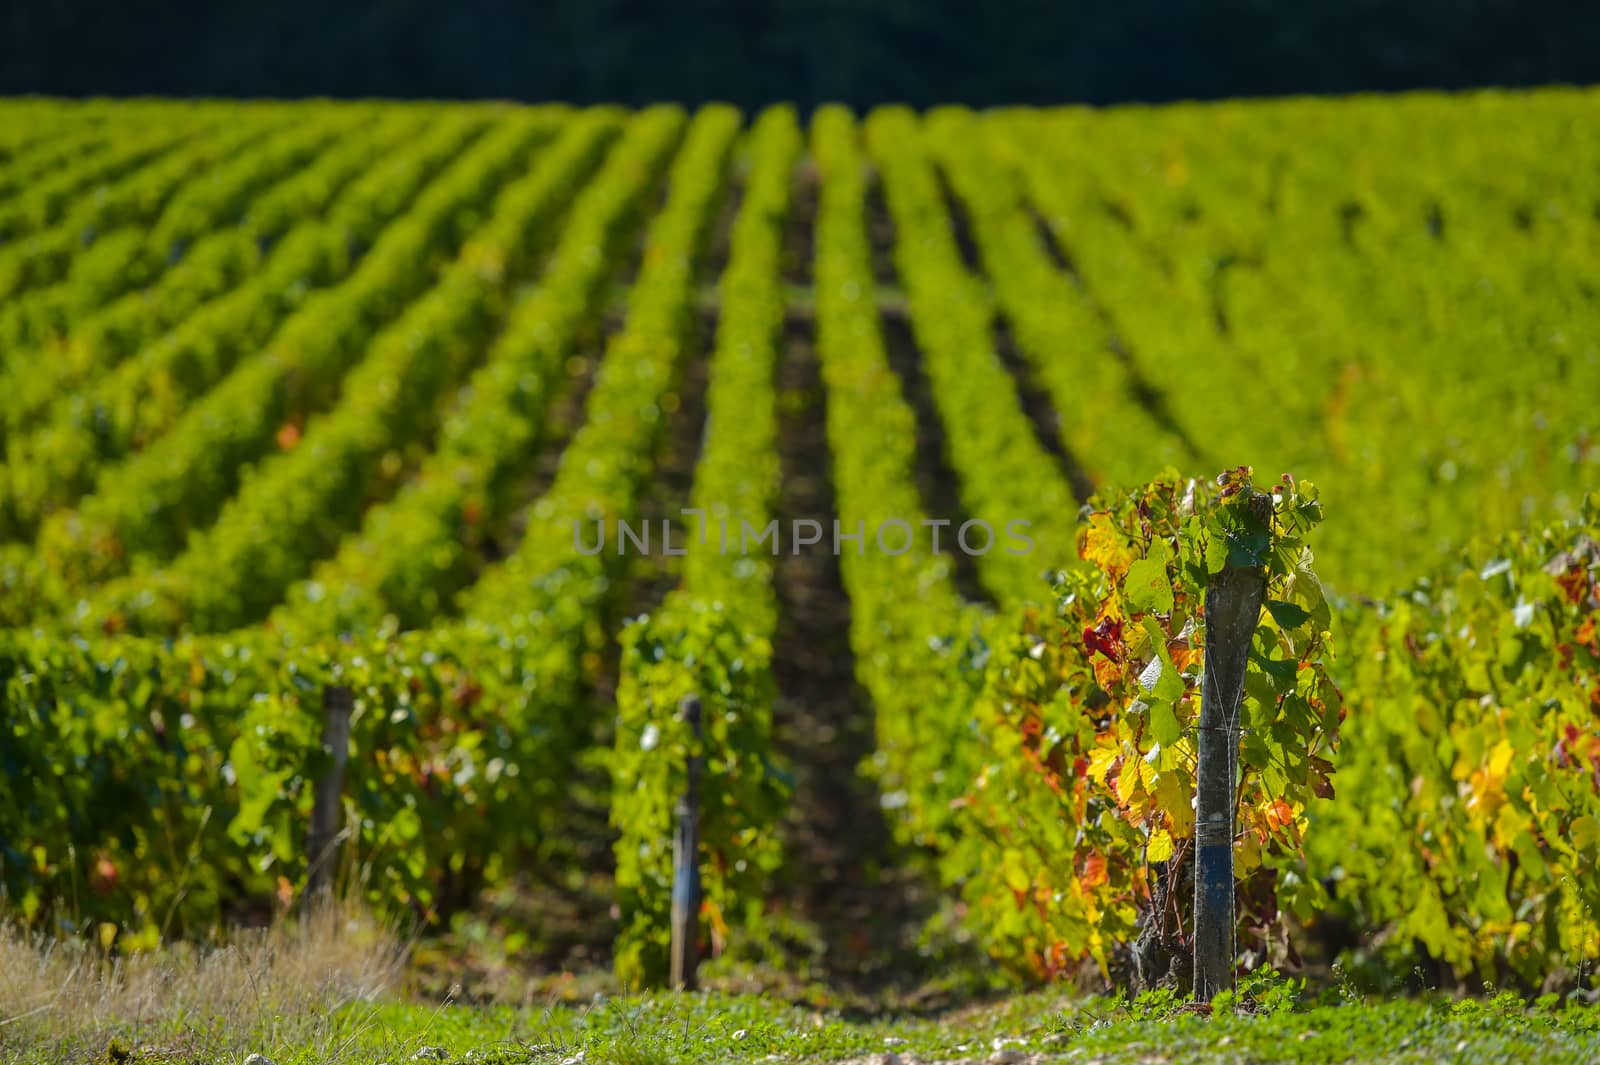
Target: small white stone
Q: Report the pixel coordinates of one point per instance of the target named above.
(893, 1041)
(258, 1059)
(431, 1054)
(740, 1034)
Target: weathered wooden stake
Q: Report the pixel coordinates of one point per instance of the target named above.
(1233, 606)
(686, 864)
(322, 843)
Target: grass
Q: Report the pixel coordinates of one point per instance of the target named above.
(671, 1029)
(293, 985)
(326, 992)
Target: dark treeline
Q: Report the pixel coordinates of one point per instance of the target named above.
(809, 51)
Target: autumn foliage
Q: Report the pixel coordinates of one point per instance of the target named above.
(1087, 718)
(1467, 827)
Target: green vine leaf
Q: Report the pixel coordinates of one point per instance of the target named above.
(1148, 588)
(1289, 616)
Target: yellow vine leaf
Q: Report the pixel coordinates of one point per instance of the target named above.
(1106, 546)
(1160, 846)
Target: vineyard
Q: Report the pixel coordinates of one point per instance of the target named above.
(889, 442)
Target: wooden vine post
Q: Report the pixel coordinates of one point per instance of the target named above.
(1232, 608)
(322, 842)
(686, 863)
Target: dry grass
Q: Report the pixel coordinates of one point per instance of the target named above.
(68, 1001)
